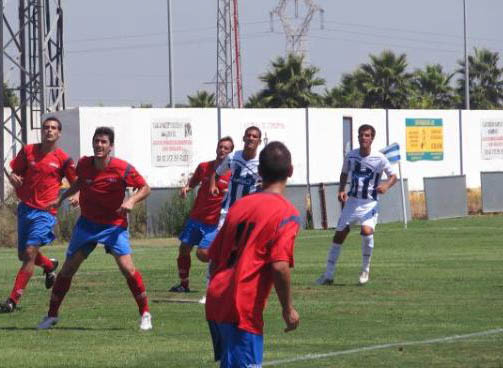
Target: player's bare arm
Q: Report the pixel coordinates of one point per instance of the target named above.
(342, 196)
(139, 196)
(74, 189)
(190, 185)
(384, 187)
(15, 180)
(213, 184)
(281, 277)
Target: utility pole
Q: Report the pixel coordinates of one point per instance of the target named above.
(467, 66)
(170, 60)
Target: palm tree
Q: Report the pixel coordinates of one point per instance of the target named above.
(202, 99)
(384, 81)
(290, 83)
(9, 98)
(486, 85)
(347, 93)
(432, 89)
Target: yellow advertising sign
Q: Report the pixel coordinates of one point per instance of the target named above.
(425, 139)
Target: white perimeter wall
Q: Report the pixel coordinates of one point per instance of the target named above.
(133, 138)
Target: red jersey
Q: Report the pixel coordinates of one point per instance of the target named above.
(260, 229)
(42, 174)
(206, 206)
(102, 192)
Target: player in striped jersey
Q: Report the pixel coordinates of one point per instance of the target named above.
(244, 171)
(364, 167)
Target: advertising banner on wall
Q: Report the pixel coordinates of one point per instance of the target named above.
(171, 143)
(425, 139)
(491, 140)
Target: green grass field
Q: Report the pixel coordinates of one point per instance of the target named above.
(435, 299)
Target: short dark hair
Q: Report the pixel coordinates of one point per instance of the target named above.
(253, 127)
(52, 118)
(105, 131)
(367, 127)
(226, 139)
(275, 162)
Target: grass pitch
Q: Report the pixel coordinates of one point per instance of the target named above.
(435, 299)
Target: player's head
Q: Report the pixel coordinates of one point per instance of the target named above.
(103, 141)
(366, 134)
(51, 130)
(252, 138)
(275, 163)
(224, 147)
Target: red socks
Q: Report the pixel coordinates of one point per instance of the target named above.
(59, 290)
(44, 262)
(135, 283)
(22, 279)
(184, 269)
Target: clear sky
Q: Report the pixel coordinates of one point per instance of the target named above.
(117, 53)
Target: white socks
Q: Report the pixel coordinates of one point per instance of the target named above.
(333, 255)
(367, 248)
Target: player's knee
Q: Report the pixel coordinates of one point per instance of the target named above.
(184, 249)
(367, 231)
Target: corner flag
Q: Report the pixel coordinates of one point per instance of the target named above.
(392, 152)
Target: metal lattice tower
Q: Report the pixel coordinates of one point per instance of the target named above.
(229, 81)
(296, 33)
(31, 67)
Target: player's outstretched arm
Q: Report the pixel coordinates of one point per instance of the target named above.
(74, 188)
(281, 277)
(139, 196)
(384, 187)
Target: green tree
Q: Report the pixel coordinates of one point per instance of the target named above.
(485, 80)
(347, 94)
(384, 81)
(202, 99)
(9, 97)
(432, 89)
(290, 83)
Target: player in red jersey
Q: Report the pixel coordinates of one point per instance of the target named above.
(37, 172)
(102, 181)
(201, 227)
(252, 252)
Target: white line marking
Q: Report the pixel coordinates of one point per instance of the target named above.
(385, 346)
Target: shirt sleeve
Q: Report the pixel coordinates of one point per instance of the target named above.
(19, 164)
(196, 177)
(284, 241)
(133, 178)
(345, 164)
(387, 168)
(69, 170)
(224, 165)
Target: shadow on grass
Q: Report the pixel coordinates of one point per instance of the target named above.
(61, 328)
(181, 301)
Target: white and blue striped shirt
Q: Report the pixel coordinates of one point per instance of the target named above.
(244, 178)
(365, 173)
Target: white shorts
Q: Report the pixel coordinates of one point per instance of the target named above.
(358, 211)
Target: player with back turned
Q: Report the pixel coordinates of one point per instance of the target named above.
(252, 253)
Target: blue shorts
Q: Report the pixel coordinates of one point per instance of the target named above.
(235, 347)
(34, 227)
(87, 234)
(197, 233)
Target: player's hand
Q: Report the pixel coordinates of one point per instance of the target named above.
(342, 197)
(381, 189)
(15, 180)
(214, 191)
(74, 200)
(125, 208)
(184, 191)
(291, 318)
